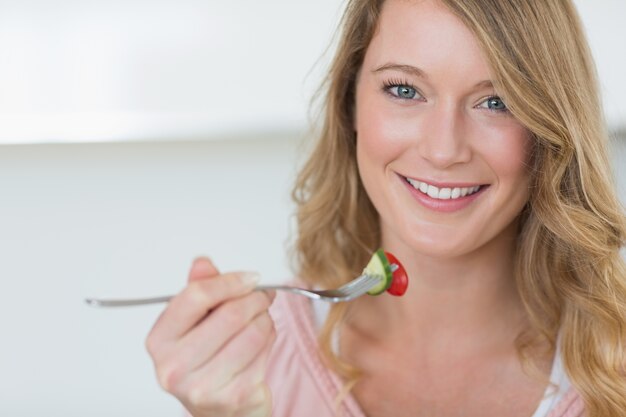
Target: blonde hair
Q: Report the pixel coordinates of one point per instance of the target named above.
(569, 271)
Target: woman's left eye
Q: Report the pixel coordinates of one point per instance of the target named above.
(494, 103)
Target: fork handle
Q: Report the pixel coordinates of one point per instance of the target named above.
(128, 302)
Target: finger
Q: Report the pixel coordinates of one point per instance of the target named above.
(255, 372)
(199, 297)
(202, 268)
(240, 392)
(259, 402)
(244, 401)
(271, 294)
(219, 327)
(234, 357)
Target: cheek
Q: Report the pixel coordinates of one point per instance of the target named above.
(507, 153)
(382, 131)
(509, 157)
(377, 145)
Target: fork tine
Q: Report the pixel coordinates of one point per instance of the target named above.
(356, 281)
(356, 284)
(363, 279)
(361, 286)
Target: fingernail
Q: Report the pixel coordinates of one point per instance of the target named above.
(250, 278)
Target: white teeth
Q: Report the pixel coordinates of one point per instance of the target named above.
(433, 192)
(445, 193)
(442, 193)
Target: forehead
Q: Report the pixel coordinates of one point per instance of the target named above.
(427, 35)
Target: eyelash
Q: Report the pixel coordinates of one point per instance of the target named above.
(396, 82)
(504, 110)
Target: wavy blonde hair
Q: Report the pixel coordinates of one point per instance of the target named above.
(569, 271)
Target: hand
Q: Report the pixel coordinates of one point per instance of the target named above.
(211, 344)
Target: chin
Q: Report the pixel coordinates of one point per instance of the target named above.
(441, 250)
(438, 244)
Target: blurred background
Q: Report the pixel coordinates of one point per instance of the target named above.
(136, 135)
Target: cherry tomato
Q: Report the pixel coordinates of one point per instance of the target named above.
(400, 280)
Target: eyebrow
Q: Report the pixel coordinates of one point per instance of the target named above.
(410, 69)
(404, 68)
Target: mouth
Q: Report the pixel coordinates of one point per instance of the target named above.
(445, 191)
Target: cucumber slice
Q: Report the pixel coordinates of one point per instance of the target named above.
(379, 266)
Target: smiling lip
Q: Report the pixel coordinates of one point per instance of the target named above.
(444, 206)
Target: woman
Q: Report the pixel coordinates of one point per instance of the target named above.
(465, 137)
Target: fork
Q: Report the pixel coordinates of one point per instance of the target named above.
(353, 289)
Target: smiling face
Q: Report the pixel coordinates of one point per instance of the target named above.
(441, 158)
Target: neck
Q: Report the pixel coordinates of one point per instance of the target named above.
(473, 297)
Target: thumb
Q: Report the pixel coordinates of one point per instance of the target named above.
(202, 268)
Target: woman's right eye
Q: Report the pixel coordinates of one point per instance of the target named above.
(403, 91)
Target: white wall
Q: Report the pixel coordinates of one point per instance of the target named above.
(160, 69)
(606, 32)
(121, 220)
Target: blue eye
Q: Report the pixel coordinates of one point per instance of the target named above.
(403, 91)
(494, 103)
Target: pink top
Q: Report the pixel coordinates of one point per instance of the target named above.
(302, 386)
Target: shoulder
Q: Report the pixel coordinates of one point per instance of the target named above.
(570, 405)
(300, 382)
(293, 320)
(562, 399)
(293, 370)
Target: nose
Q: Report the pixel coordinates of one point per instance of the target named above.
(443, 140)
